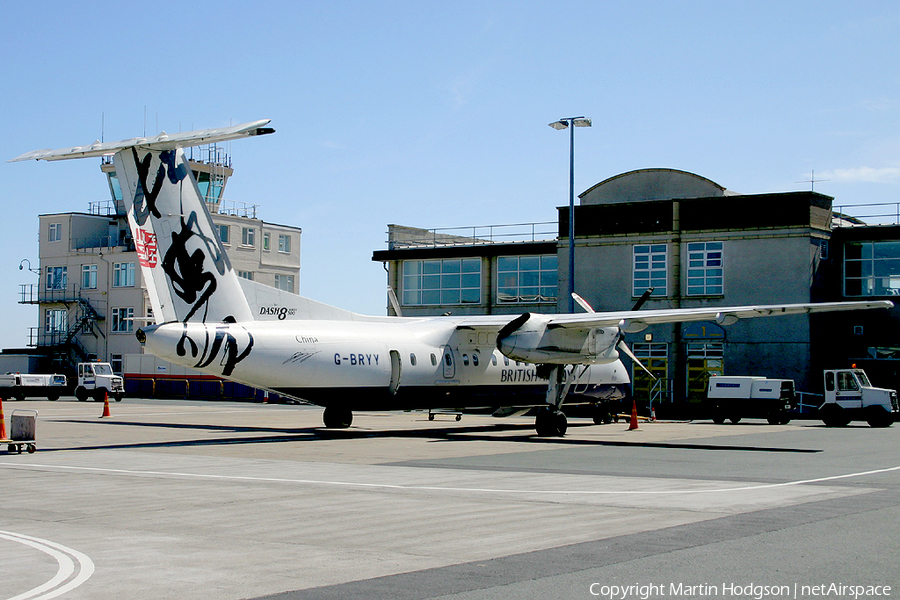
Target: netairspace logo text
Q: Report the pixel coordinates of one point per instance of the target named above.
(645, 591)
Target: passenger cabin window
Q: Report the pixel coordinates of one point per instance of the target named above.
(475, 360)
(412, 358)
(466, 359)
(433, 360)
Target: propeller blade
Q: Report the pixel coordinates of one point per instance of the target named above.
(624, 348)
(582, 303)
(642, 299)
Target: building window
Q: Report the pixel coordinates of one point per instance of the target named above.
(245, 275)
(224, 234)
(57, 278)
(89, 277)
(285, 282)
(122, 320)
(650, 269)
(248, 236)
(436, 282)
(56, 320)
(55, 232)
(705, 269)
(872, 269)
(267, 241)
(117, 362)
(123, 274)
(527, 279)
(284, 244)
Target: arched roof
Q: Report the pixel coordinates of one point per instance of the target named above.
(651, 184)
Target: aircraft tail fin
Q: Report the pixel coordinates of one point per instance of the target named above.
(185, 267)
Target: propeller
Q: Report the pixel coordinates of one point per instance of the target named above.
(621, 345)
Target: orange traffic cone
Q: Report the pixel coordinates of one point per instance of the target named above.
(652, 414)
(2, 422)
(634, 424)
(105, 405)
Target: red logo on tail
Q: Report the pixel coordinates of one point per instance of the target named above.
(147, 248)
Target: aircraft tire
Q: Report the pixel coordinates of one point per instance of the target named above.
(337, 418)
(551, 423)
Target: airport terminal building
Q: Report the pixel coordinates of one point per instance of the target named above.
(696, 244)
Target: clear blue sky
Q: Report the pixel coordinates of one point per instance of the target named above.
(434, 114)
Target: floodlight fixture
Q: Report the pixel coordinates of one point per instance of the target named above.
(571, 123)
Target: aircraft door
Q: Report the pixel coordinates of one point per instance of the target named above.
(449, 363)
(396, 371)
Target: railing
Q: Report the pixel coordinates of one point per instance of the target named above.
(661, 391)
(235, 209)
(469, 236)
(804, 399)
(103, 208)
(856, 215)
(36, 293)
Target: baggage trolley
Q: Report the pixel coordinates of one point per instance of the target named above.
(22, 431)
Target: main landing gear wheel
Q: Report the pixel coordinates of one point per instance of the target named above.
(551, 423)
(337, 418)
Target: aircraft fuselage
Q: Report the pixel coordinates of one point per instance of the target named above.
(382, 365)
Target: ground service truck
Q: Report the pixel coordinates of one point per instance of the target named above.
(849, 396)
(736, 397)
(28, 385)
(96, 379)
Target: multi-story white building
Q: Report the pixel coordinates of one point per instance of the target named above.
(91, 296)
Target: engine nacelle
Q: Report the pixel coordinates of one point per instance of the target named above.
(531, 338)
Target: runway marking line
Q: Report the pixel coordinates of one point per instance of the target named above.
(56, 586)
(391, 486)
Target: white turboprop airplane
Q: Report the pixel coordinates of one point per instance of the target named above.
(209, 319)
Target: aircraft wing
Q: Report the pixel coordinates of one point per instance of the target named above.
(634, 321)
(590, 338)
(163, 141)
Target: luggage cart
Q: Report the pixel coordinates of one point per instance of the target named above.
(22, 431)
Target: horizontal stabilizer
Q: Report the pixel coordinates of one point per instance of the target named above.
(163, 141)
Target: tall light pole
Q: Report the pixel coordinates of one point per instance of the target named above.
(571, 123)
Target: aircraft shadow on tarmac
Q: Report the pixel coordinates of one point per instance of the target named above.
(519, 432)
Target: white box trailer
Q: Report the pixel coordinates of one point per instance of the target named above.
(734, 398)
(30, 385)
